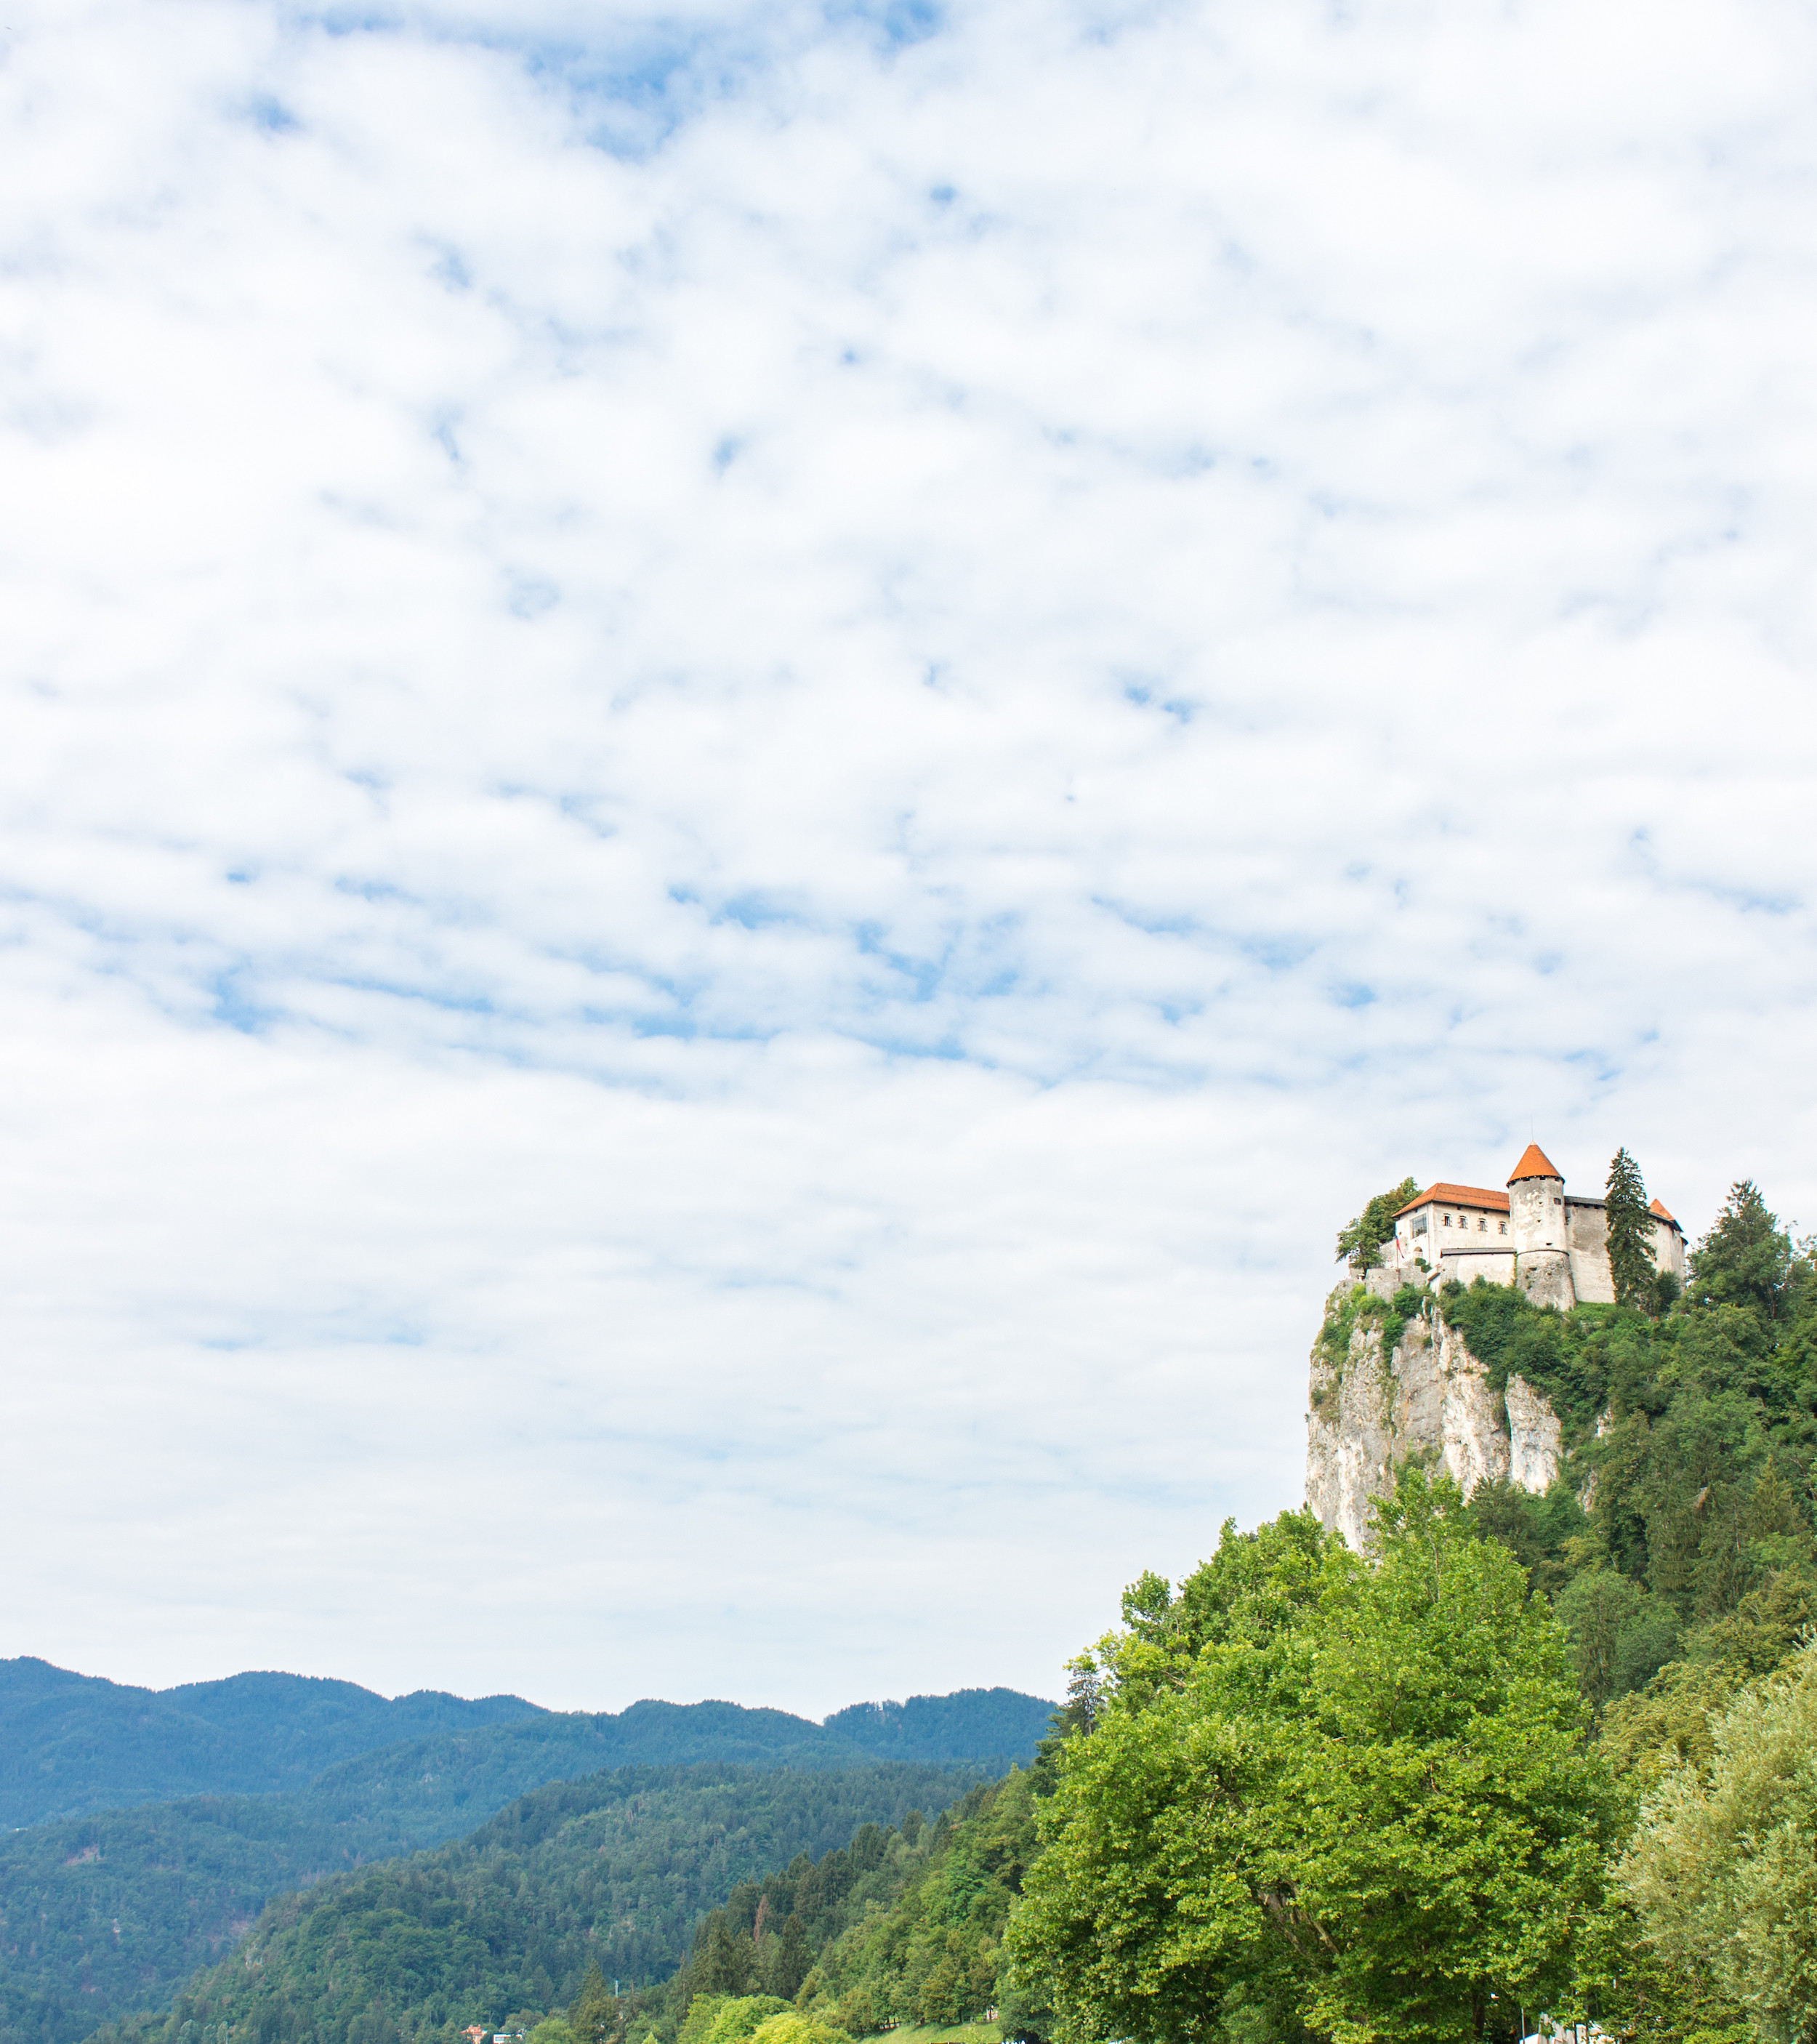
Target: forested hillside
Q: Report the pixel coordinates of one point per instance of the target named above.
(616, 1869)
(1690, 1435)
(110, 1911)
(898, 1927)
(966, 1725)
(71, 1743)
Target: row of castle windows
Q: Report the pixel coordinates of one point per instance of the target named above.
(1482, 1226)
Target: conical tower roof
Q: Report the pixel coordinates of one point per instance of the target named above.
(1535, 1163)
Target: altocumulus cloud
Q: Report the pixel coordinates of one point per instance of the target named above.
(751, 757)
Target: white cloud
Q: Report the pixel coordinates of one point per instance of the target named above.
(751, 765)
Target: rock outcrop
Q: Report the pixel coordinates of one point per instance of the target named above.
(1429, 1398)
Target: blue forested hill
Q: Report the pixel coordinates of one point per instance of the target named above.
(71, 1743)
(967, 1725)
(617, 1866)
(110, 1908)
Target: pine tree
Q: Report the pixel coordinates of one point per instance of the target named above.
(593, 2018)
(1630, 1233)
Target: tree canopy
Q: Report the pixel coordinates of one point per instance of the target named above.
(1359, 1797)
(1360, 1239)
(1723, 1870)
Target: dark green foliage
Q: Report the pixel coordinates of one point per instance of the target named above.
(1538, 1530)
(182, 1881)
(1746, 1258)
(1333, 1345)
(1411, 1302)
(1630, 1228)
(1361, 1240)
(613, 1871)
(1621, 1636)
(592, 2017)
(71, 1743)
(897, 1928)
(969, 1724)
(1693, 1435)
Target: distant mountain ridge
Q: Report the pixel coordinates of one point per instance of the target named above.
(110, 1908)
(70, 1742)
(427, 1765)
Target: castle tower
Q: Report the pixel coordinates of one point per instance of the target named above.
(1536, 1220)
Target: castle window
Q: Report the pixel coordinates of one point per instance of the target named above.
(1501, 1228)
(1482, 1226)
(1447, 1220)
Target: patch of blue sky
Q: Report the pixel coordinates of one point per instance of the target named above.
(897, 23)
(368, 890)
(231, 1004)
(1353, 994)
(1277, 953)
(450, 268)
(945, 1048)
(270, 114)
(1604, 1068)
(926, 975)
(1146, 695)
(758, 911)
(1150, 922)
(1750, 901)
(531, 597)
(446, 1000)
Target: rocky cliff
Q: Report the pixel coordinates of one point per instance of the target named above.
(1428, 1398)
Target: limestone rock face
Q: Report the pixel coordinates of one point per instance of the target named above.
(1430, 1397)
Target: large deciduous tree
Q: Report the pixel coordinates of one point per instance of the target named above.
(1358, 1799)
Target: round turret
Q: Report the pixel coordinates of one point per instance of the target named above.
(1536, 1221)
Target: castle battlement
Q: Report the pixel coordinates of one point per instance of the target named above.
(1552, 1244)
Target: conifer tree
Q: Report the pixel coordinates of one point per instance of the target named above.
(594, 2016)
(1630, 1232)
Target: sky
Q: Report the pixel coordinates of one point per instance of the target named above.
(753, 755)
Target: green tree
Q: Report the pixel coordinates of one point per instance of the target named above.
(1620, 1636)
(1362, 1240)
(593, 2017)
(1723, 1870)
(1630, 1233)
(1746, 1258)
(1371, 1818)
(794, 1958)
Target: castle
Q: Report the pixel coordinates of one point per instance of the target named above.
(1552, 1244)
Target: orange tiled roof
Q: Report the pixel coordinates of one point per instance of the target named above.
(1478, 1197)
(1655, 1207)
(1535, 1163)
